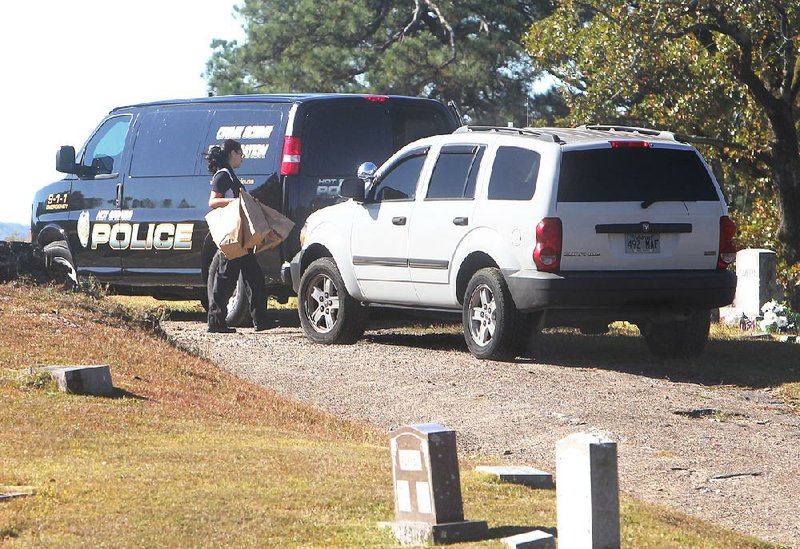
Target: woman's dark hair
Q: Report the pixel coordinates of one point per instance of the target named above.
(218, 155)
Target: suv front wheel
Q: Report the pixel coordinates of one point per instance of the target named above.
(678, 338)
(329, 314)
(493, 328)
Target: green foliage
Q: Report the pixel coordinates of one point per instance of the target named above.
(725, 73)
(451, 50)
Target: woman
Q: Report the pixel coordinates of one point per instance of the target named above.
(225, 187)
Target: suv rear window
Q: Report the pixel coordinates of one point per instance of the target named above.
(634, 175)
(337, 139)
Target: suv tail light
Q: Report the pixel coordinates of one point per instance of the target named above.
(376, 98)
(727, 249)
(290, 163)
(547, 253)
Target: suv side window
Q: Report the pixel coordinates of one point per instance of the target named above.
(103, 151)
(400, 182)
(456, 172)
(168, 143)
(514, 174)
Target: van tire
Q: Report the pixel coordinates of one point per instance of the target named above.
(493, 328)
(238, 307)
(56, 255)
(342, 325)
(678, 338)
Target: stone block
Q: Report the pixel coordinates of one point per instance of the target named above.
(519, 474)
(756, 274)
(83, 380)
(413, 534)
(531, 540)
(587, 492)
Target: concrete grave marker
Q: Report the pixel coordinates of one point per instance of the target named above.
(531, 540)
(83, 380)
(587, 492)
(427, 487)
(756, 280)
(519, 474)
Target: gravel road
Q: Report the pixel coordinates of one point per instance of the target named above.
(727, 454)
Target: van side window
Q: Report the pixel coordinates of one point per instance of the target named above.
(514, 174)
(400, 182)
(260, 131)
(455, 172)
(103, 152)
(168, 143)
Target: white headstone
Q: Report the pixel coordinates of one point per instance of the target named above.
(756, 273)
(587, 492)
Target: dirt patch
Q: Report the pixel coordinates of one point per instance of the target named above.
(728, 453)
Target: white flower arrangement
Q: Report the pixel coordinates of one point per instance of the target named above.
(777, 317)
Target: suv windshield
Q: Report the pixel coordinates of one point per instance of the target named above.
(644, 175)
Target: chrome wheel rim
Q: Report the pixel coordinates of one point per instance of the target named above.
(234, 296)
(483, 315)
(322, 303)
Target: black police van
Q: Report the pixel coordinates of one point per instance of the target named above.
(131, 212)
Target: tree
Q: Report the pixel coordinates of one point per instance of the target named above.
(468, 52)
(724, 71)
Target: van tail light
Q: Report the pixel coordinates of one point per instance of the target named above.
(630, 144)
(547, 253)
(290, 163)
(376, 98)
(727, 248)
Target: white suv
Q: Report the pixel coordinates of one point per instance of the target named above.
(525, 228)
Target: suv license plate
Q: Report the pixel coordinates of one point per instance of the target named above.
(640, 243)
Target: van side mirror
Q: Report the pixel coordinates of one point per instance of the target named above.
(352, 188)
(65, 160)
(366, 173)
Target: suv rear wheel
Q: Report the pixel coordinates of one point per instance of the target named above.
(238, 306)
(679, 338)
(493, 328)
(328, 313)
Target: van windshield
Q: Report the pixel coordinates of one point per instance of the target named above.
(336, 140)
(644, 175)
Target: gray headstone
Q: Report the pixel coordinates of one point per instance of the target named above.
(519, 474)
(427, 487)
(531, 540)
(83, 380)
(587, 492)
(756, 274)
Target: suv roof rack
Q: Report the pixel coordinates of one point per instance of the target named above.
(530, 132)
(630, 129)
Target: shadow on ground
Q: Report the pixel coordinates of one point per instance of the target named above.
(755, 364)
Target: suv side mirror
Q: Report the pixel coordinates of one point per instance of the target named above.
(65, 160)
(352, 188)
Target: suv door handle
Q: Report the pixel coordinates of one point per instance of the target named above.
(460, 221)
(399, 220)
(119, 195)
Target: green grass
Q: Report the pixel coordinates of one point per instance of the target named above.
(187, 455)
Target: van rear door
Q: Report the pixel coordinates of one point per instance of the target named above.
(640, 206)
(337, 135)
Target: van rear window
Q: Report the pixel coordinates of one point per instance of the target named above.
(336, 140)
(634, 174)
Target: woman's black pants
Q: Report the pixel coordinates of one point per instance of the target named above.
(225, 283)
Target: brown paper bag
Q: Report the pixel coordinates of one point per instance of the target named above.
(226, 228)
(264, 228)
(280, 226)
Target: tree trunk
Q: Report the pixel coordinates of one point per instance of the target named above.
(786, 176)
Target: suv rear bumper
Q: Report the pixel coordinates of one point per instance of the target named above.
(621, 290)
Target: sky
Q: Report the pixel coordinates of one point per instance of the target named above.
(68, 63)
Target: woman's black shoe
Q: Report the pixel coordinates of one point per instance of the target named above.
(261, 327)
(221, 330)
